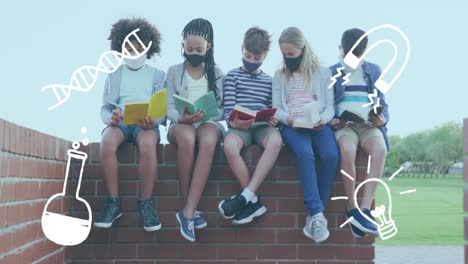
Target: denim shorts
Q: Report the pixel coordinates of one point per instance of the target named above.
(131, 132)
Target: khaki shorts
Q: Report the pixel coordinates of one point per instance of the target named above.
(253, 135)
(359, 133)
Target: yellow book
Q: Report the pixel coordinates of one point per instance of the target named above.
(138, 110)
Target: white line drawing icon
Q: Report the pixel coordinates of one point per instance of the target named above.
(352, 61)
(382, 214)
(66, 230)
(84, 78)
(385, 225)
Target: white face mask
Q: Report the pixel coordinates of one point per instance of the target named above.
(137, 63)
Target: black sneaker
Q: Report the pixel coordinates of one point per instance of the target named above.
(112, 211)
(150, 218)
(230, 207)
(249, 212)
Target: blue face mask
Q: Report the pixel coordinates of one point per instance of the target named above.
(249, 66)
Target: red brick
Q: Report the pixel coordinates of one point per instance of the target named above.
(2, 134)
(277, 252)
(14, 257)
(237, 251)
(196, 251)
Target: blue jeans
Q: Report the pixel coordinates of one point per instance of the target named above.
(307, 144)
(131, 132)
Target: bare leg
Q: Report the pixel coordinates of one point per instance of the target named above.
(208, 136)
(377, 149)
(185, 139)
(232, 147)
(347, 163)
(110, 141)
(272, 146)
(147, 141)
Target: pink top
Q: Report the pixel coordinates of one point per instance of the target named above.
(298, 96)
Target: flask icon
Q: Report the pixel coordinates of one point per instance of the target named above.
(62, 229)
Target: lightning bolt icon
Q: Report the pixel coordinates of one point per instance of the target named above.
(346, 78)
(334, 77)
(371, 98)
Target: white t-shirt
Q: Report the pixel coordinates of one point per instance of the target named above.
(196, 88)
(136, 85)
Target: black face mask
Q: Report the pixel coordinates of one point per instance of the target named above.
(293, 63)
(194, 59)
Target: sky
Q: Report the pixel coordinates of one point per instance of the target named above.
(43, 42)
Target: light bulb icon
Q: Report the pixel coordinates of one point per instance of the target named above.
(382, 214)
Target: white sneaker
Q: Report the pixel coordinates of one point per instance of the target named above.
(316, 228)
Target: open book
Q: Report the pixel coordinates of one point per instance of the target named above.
(206, 103)
(311, 116)
(245, 113)
(156, 108)
(359, 117)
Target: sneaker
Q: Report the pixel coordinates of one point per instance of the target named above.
(249, 212)
(362, 223)
(149, 216)
(230, 207)
(186, 226)
(200, 222)
(316, 228)
(354, 230)
(112, 211)
(368, 213)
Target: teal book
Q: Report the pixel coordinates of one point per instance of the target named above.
(205, 102)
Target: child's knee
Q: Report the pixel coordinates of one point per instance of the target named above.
(274, 141)
(232, 146)
(186, 138)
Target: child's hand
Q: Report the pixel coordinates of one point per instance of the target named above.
(241, 124)
(290, 121)
(272, 121)
(115, 119)
(319, 126)
(146, 124)
(378, 120)
(185, 118)
(337, 124)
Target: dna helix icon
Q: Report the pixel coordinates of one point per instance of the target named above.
(84, 78)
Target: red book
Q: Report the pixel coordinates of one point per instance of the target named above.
(244, 113)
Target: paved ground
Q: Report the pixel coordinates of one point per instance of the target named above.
(419, 255)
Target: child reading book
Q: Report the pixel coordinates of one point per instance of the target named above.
(192, 79)
(250, 88)
(133, 81)
(301, 81)
(370, 134)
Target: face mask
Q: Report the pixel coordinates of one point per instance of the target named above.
(137, 63)
(250, 66)
(194, 59)
(293, 63)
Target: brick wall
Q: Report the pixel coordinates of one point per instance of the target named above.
(275, 238)
(32, 166)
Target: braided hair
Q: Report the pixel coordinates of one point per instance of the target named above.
(203, 28)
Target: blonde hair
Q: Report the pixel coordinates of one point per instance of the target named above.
(309, 63)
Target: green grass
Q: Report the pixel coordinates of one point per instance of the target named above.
(433, 215)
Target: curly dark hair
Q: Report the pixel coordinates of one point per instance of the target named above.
(257, 40)
(147, 33)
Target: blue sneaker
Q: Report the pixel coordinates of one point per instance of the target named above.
(362, 223)
(249, 212)
(200, 222)
(148, 215)
(368, 213)
(112, 211)
(187, 226)
(354, 230)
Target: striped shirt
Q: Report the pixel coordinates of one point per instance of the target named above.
(298, 96)
(355, 95)
(246, 89)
